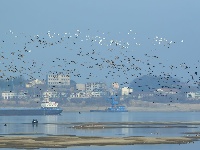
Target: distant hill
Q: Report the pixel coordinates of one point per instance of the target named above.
(148, 83)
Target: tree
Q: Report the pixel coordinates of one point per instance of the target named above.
(148, 83)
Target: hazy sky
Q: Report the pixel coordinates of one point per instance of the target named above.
(102, 40)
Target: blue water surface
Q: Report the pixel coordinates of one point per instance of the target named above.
(61, 125)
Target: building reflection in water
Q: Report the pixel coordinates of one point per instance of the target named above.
(50, 125)
(125, 118)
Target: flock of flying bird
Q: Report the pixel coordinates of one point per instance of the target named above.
(88, 56)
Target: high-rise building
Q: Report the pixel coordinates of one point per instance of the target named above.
(58, 80)
(95, 89)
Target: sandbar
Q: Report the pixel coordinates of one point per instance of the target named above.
(68, 141)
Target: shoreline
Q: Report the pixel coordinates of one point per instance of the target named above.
(133, 107)
(65, 141)
(155, 107)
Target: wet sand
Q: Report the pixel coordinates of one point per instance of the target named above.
(153, 123)
(67, 141)
(103, 125)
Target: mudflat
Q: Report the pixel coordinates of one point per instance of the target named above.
(67, 141)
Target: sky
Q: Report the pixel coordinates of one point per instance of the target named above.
(106, 41)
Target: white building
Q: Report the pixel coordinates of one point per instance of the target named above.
(95, 89)
(33, 83)
(193, 95)
(141, 95)
(166, 91)
(50, 94)
(97, 93)
(126, 90)
(80, 87)
(91, 86)
(78, 95)
(8, 95)
(58, 80)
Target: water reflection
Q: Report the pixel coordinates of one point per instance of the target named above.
(61, 125)
(51, 127)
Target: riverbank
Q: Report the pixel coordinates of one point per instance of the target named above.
(143, 106)
(134, 105)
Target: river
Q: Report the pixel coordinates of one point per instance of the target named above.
(61, 125)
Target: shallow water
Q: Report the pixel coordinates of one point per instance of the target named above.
(61, 125)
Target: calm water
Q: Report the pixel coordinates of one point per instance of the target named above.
(59, 125)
